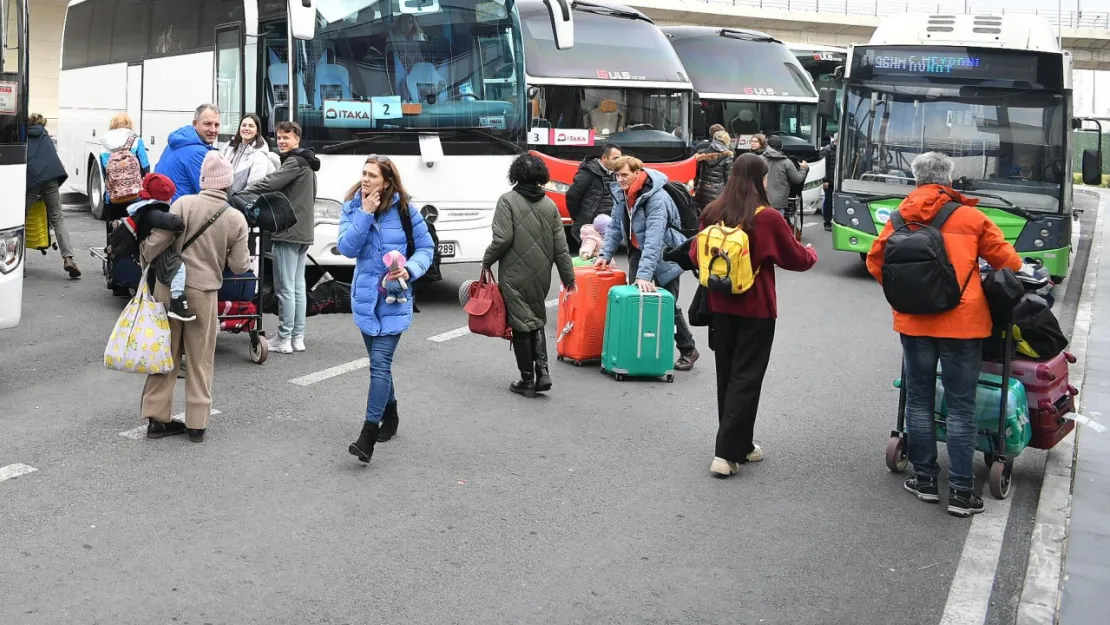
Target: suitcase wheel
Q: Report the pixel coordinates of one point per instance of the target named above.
(619, 377)
(669, 378)
(896, 458)
(999, 481)
(560, 358)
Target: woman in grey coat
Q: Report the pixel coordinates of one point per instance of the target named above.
(527, 240)
(781, 173)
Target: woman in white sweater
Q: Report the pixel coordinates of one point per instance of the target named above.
(249, 155)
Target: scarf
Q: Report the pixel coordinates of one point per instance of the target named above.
(630, 198)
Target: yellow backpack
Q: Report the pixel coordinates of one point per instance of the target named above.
(725, 260)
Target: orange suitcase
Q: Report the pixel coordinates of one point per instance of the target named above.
(581, 318)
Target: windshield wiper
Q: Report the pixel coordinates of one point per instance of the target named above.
(1009, 207)
(598, 9)
(376, 135)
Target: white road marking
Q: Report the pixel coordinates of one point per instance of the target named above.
(140, 432)
(463, 331)
(327, 374)
(970, 594)
(15, 470)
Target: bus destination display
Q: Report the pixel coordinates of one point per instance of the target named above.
(949, 63)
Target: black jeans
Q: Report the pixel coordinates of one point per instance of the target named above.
(826, 207)
(742, 350)
(683, 338)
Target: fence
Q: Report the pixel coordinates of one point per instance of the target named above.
(1089, 141)
(882, 8)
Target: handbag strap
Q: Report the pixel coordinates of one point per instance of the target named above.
(205, 226)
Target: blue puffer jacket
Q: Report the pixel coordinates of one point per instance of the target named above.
(653, 217)
(182, 159)
(367, 238)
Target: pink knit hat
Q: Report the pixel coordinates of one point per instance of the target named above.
(216, 172)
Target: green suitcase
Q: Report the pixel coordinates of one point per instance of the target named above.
(639, 334)
(988, 395)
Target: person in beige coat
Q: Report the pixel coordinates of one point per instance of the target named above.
(215, 236)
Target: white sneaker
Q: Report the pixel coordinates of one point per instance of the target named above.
(298, 343)
(756, 455)
(281, 345)
(723, 468)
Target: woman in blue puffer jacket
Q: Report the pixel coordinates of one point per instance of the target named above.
(372, 224)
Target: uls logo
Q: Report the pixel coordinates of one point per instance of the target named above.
(606, 74)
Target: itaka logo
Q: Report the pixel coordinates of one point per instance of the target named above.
(331, 114)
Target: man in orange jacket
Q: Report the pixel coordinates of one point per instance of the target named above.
(954, 337)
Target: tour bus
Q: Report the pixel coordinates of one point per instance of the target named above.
(750, 82)
(992, 92)
(621, 83)
(436, 87)
(13, 157)
(825, 66)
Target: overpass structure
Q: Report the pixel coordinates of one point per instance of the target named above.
(1086, 34)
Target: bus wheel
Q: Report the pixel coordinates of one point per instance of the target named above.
(95, 190)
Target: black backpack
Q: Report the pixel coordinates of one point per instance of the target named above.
(687, 209)
(918, 278)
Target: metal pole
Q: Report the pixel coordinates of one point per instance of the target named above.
(1060, 23)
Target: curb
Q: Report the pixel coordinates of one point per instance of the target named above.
(1039, 603)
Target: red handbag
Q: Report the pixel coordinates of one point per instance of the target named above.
(486, 308)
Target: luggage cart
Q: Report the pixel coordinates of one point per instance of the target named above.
(1001, 466)
(247, 316)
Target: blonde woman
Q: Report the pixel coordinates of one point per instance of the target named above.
(120, 130)
(249, 155)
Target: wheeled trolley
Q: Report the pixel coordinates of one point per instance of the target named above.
(239, 313)
(999, 441)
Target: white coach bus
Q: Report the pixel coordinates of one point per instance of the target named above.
(435, 85)
(13, 157)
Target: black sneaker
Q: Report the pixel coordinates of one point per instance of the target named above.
(179, 309)
(964, 503)
(924, 488)
(157, 429)
(828, 226)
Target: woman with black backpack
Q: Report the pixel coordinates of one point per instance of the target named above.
(744, 324)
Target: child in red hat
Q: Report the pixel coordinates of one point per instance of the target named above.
(152, 212)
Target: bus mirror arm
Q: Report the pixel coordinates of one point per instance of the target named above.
(562, 23)
(302, 19)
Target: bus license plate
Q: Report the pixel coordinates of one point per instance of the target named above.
(446, 250)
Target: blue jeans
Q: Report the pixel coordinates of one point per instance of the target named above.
(380, 349)
(959, 366)
(177, 285)
(292, 293)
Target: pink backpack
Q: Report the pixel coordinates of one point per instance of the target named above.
(125, 175)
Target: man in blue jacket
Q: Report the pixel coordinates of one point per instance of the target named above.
(183, 157)
(645, 218)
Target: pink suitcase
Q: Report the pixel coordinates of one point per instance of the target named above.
(1045, 381)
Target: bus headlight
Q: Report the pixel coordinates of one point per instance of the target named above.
(11, 249)
(1038, 243)
(556, 187)
(850, 210)
(1044, 232)
(327, 211)
(855, 222)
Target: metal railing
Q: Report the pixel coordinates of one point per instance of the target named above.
(882, 8)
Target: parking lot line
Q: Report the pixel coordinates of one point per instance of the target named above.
(15, 470)
(970, 593)
(140, 432)
(326, 374)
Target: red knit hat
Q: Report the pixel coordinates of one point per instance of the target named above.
(158, 187)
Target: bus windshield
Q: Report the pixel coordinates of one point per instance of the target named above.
(1008, 143)
(433, 64)
(795, 122)
(648, 123)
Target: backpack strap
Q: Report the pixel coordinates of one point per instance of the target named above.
(406, 225)
(130, 142)
(943, 214)
(205, 226)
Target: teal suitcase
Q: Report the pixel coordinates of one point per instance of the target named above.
(639, 334)
(988, 395)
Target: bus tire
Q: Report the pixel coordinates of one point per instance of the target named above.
(94, 188)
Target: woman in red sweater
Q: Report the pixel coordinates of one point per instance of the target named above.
(744, 325)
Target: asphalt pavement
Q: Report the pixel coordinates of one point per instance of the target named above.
(591, 505)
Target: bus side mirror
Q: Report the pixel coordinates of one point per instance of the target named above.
(1092, 167)
(562, 23)
(302, 19)
(826, 103)
(838, 73)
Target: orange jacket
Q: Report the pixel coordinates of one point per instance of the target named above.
(968, 235)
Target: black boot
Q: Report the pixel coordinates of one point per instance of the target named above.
(363, 448)
(389, 424)
(522, 345)
(539, 353)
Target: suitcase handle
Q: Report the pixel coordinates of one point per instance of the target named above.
(658, 326)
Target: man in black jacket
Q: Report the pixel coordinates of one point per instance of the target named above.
(589, 195)
(829, 154)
